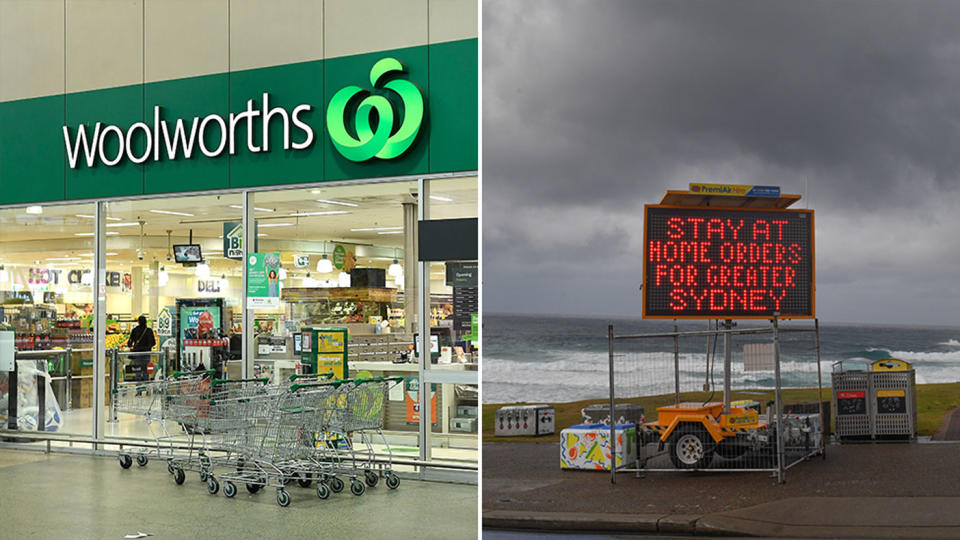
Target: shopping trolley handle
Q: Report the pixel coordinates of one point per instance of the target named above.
(178, 374)
(334, 384)
(217, 382)
(394, 379)
(327, 375)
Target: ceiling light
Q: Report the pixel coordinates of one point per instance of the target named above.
(439, 198)
(395, 269)
(203, 271)
(108, 233)
(390, 232)
(34, 209)
(325, 213)
(127, 224)
(378, 229)
(343, 279)
(171, 212)
(164, 276)
(324, 265)
(265, 225)
(63, 258)
(239, 207)
(262, 234)
(341, 203)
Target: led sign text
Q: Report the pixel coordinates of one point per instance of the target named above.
(722, 263)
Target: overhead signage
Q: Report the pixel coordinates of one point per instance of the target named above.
(263, 280)
(301, 261)
(164, 324)
(717, 263)
(208, 286)
(735, 190)
(376, 129)
(233, 240)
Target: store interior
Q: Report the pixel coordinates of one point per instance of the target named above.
(344, 263)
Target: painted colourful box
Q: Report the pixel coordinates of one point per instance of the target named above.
(587, 446)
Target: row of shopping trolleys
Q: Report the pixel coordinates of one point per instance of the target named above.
(315, 431)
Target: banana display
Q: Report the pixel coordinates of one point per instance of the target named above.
(116, 340)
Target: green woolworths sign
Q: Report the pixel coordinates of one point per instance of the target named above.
(400, 112)
(372, 127)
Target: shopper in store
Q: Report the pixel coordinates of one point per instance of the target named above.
(141, 340)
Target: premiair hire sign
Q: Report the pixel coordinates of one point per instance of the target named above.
(372, 119)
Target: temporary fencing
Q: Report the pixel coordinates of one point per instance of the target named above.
(723, 398)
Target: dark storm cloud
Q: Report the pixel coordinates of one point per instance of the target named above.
(592, 109)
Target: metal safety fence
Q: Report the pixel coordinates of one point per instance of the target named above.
(722, 398)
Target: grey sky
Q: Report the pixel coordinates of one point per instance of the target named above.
(593, 108)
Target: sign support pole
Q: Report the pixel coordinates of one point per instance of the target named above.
(247, 315)
(423, 327)
(99, 319)
(613, 416)
(727, 355)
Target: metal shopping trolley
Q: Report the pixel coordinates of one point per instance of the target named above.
(359, 410)
(143, 399)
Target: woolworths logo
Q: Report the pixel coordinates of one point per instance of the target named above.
(347, 110)
(361, 124)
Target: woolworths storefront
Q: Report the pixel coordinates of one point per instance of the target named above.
(145, 145)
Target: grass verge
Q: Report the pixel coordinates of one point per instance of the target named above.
(933, 402)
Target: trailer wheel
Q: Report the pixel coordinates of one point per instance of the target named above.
(691, 447)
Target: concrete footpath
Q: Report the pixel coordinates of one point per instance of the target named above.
(863, 490)
(86, 497)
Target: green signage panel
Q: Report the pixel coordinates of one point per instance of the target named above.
(263, 280)
(397, 112)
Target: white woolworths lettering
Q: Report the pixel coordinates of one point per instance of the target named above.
(159, 143)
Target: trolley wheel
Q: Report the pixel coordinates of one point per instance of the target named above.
(356, 487)
(336, 485)
(305, 481)
(229, 489)
(322, 490)
(204, 476)
(125, 461)
(393, 481)
(170, 466)
(691, 447)
(142, 460)
(253, 488)
(283, 498)
(204, 460)
(179, 476)
(212, 485)
(371, 478)
(240, 463)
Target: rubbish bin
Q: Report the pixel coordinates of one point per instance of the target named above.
(875, 403)
(894, 396)
(851, 418)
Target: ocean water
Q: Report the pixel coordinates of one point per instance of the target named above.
(556, 359)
